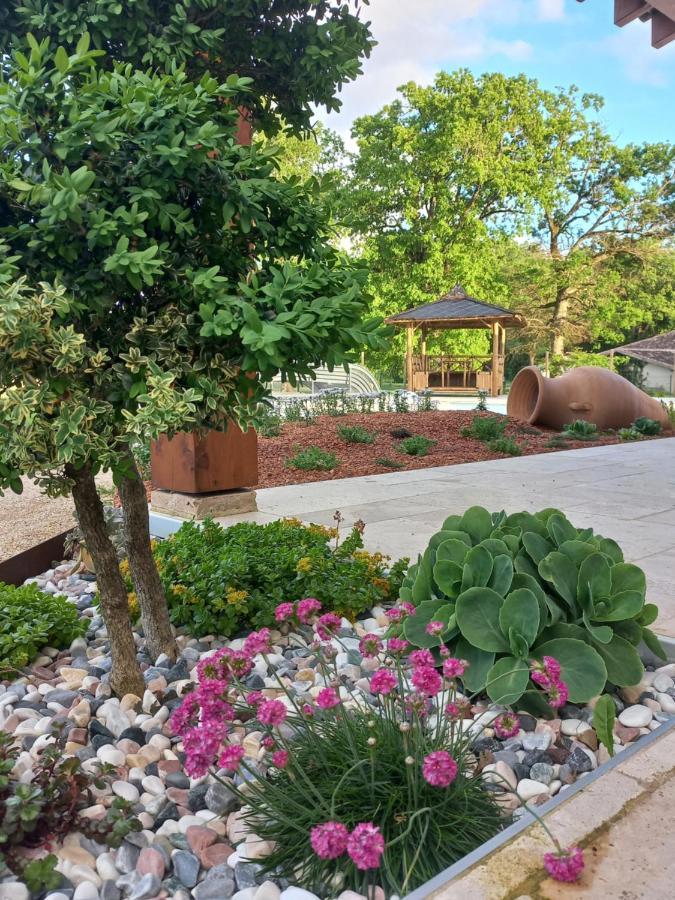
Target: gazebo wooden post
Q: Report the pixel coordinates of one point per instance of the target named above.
(494, 328)
(409, 356)
(424, 349)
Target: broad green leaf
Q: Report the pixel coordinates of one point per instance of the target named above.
(560, 529)
(527, 522)
(520, 611)
(583, 669)
(649, 614)
(594, 582)
(577, 551)
(627, 577)
(626, 605)
(604, 717)
(495, 547)
(480, 663)
(452, 523)
(477, 568)
(477, 614)
(502, 574)
(610, 548)
(602, 633)
(622, 661)
(507, 680)
(537, 546)
(448, 577)
(477, 522)
(447, 535)
(414, 627)
(452, 550)
(653, 643)
(560, 571)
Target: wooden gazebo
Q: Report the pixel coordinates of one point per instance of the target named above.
(448, 373)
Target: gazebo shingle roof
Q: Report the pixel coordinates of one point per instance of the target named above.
(659, 349)
(457, 306)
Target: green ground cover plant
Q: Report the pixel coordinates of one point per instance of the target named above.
(312, 459)
(506, 445)
(355, 434)
(581, 430)
(388, 463)
(417, 445)
(511, 588)
(220, 580)
(645, 425)
(485, 428)
(30, 619)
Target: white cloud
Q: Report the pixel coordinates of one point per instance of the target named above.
(415, 40)
(551, 10)
(631, 48)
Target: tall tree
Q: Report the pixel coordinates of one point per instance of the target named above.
(185, 264)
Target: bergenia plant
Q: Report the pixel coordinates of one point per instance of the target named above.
(351, 787)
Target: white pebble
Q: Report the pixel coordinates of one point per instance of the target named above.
(296, 893)
(108, 753)
(125, 790)
(662, 682)
(667, 703)
(528, 789)
(637, 716)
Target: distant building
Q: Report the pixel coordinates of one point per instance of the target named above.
(657, 354)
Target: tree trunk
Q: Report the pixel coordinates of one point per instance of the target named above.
(126, 675)
(149, 589)
(561, 311)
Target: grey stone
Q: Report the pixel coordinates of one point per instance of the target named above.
(177, 780)
(218, 884)
(147, 886)
(246, 874)
(186, 867)
(542, 772)
(109, 890)
(60, 695)
(507, 756)
(127, 857)
(537, 740)
(197, 798)
(579, 761)
(220, 799)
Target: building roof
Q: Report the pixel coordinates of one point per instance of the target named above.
(659, 349)
(660, 12)
(457, 310)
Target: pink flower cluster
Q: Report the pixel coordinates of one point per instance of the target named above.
(302, 611)
(365, 845)
(506, 726)
(370, 645)
(565, 865)
(439, 769)
(547, 675)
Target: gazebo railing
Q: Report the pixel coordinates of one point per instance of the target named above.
(451, 372)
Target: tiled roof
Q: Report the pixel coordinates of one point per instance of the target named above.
(659, 349)
(456, 304)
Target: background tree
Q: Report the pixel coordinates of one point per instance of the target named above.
(186, 265)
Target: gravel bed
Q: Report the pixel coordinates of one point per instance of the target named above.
(193, 843)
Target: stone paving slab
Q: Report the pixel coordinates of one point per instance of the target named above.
(625, 491)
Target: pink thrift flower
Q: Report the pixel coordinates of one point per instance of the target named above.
(201, 745)
(184, 715)
(327, 625)
(209, 669)
(408, 608)
(435, 628)
(453, 711)
(308, 710)
(565, 865)
(254, 698)
(541, 678)
(439, 769)
(268, 743)
(327, 698)
(551, 667)
(365, 846)
(395, 614)
(397, 645)
(383, 682)
(307, 608)
(427, 680)
(280, 759)
(558, 694)
(237, 662)
(329, 840)
(417, 704)
(370, 645)
(443, 650)
(283, 612)
(231, 757)
(506, 726)
(272, 712)
(258, 642)
(453, 668)
(421, 658)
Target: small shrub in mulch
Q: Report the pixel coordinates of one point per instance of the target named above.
(581, 430)
(354, 434)
(313, 458)
(388, 463)
(507, 446)
(417, 445)
(485, 428)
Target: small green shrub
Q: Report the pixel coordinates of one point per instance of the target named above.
(313, 459)
(42, 812)
(506, 445)
(400, 433)
(269, 424)
(557, 442)
(354, 434)
(417, 445)
(30, 619)
(388, 463)
(529, 429)
(401, 402)
(647, 426)
(426, 402)
(482, 406)
(669, 407)
(629, 434)
(510, 588)
(581, 430)
(485, 428)
(220, 580)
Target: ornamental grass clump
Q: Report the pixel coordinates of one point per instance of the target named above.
(352, 788)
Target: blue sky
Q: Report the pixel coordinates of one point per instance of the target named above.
(558, 42)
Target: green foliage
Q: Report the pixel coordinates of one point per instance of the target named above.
(417, 445)
(313, 459)
(30, 620)
(558, 442)
(388, 463)
(669, 408)
(646, 426)
(44, 811)
(629, 434)
(298, 55)
(506, 445)
(482, 406)
(268, 423)
(581, 430)
(355, 434)
(575, 358)
(604, 716)
(486, 428)
(221, 580)
(150, 330)
(522, 586)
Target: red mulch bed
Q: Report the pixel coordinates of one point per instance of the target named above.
(442, 426)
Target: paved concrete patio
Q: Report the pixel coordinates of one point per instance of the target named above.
(624, 491)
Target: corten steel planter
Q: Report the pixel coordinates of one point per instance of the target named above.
(588, 392)
(215, 461)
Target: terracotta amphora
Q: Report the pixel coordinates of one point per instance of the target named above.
(588, 392)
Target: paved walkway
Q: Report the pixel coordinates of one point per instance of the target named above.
(624, 491)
